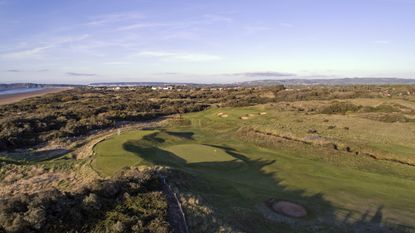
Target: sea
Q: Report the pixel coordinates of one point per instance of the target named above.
(19, 91)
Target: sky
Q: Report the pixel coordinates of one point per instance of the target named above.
(215, 41)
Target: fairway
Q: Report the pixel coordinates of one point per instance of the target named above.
(233, 166)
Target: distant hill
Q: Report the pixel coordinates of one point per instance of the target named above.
(127, 84)
(30, 85)
(342, 81)
(265, 82)
(19, 85)
(159, 84)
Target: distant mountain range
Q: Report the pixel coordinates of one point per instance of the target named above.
(30, 85)
(19, 85)
(340, 82)
(137, 84)
(265, 82)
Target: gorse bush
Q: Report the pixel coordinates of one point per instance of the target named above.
(340, 107)
(130, 203)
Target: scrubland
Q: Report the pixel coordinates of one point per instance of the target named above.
(344, 154)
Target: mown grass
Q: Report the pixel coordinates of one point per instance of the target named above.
(238, 176)
(196, 153)
(111, 156)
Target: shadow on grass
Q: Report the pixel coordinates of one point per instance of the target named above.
(157, 139)
(153, 138)
(184, 135)
(238, 190)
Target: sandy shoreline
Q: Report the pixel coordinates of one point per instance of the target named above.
(13, 98)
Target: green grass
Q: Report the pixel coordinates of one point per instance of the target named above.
(196, 153)
(386, 140)
(112, 157)
(236, 177)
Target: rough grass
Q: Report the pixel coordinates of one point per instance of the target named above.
(365, 135)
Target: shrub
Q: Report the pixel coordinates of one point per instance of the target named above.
(132, 203)
(337, 107)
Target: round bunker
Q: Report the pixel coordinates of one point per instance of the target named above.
(288, 209)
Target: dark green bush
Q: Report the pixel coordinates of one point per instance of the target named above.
(131, 203)
(340, 107)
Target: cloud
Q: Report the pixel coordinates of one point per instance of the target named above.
(117, 63)
(80, 74)
(24, 53)
(264, 74)
(256, 29)
(18, 71)
(286, 25)
(36, 52)
(381, 42)
(216, 18)
(113, 18)
(190, 57)
(203, 20)
(144, 25)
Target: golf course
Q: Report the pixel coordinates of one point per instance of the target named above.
(346, 173)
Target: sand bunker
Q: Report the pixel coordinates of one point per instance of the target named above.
(262, 113)
(221, 114)
(287, 208)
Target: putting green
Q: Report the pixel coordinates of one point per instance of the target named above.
(196, 153)
(111, 156)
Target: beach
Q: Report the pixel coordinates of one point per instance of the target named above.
(13, 98)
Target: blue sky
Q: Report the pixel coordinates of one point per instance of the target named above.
(83, 41)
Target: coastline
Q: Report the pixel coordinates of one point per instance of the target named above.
(13, 98)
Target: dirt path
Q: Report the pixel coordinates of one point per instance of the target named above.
(176, 215)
